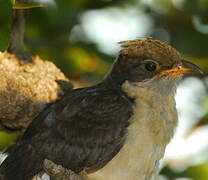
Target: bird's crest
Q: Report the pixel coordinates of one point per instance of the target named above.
(133, 42)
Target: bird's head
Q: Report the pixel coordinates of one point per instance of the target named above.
(148, 60)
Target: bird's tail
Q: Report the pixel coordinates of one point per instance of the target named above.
(22, 163)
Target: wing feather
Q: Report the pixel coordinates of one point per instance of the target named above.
(84, 130)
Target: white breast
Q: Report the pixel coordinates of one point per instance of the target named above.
(151, 128)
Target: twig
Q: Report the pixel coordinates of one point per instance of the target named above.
(57, 172)
(17, 29)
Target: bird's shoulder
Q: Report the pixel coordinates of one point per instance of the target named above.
(92, 100)
(90, 108)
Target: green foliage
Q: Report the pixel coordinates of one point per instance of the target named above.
(4, 23)
(197, 172)
(6, 139)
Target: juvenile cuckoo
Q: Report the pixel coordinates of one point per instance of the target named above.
(115, 130)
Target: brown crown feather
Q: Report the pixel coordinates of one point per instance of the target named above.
(134, 51)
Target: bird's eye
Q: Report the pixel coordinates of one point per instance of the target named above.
(151, 65)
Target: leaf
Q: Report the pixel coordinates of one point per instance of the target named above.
(7, 138)
(26, 6)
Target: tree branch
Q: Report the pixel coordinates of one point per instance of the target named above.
(17, 29)
(57, 172)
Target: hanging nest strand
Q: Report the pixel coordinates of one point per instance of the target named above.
(26, 88)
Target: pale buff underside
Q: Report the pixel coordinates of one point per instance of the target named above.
(151, 128)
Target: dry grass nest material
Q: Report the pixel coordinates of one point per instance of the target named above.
(26, 88)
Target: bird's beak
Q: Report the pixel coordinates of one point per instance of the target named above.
(186, 67)
(191, 67)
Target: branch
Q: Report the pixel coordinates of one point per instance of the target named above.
(17, 29)
(57, 172)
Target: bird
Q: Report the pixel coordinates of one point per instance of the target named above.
(117, 129)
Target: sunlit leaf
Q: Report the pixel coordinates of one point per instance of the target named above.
(6, 139)
(26, 6)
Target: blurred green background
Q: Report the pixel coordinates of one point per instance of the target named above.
(80, 37)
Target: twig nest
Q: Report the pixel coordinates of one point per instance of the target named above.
(26, 88)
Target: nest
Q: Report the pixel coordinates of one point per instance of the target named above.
(26, 88)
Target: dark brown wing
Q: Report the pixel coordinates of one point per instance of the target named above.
(84, 130)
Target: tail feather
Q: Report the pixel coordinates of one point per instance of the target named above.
(22, 163)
